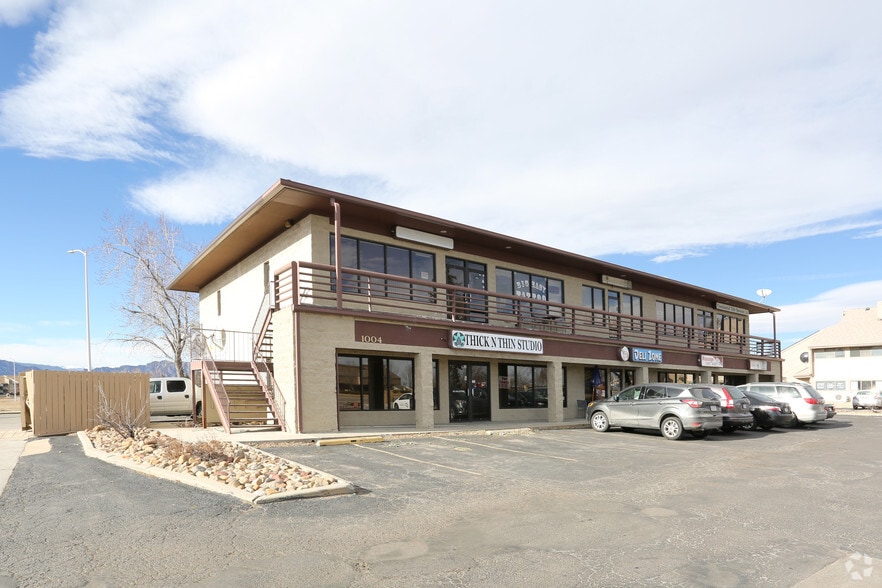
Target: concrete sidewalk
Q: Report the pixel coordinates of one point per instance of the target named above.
(12, 445)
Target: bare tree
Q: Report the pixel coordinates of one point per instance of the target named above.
(148, 257)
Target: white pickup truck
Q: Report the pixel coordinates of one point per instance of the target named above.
(173, 397)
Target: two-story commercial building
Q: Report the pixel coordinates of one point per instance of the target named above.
(346, 312)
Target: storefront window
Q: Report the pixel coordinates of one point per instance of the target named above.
(523, 386)
(374, 383)
(677, 377)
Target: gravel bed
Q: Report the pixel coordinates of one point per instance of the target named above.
(234, 465)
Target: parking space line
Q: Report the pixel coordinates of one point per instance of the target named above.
(509, 450)
(609, 444)
(438, 465)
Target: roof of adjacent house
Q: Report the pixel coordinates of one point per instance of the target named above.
(859, 327)
(287, 202)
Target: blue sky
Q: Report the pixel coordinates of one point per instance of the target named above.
(735, 147)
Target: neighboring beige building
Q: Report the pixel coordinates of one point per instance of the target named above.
(328, 311)
(841, 359)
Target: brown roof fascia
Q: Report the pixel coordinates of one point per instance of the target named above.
(289, 202)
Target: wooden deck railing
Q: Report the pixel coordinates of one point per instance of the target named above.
(317, 286)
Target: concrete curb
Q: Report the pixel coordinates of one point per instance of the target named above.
(336, 489)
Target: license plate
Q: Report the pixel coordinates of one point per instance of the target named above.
(714, 408)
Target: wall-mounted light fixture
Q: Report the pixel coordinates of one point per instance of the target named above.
(423, 237)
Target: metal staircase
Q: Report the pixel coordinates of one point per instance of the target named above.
(244, 391)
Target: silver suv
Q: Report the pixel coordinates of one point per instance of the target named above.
(806, 403)
(670, 408)
(735, 405)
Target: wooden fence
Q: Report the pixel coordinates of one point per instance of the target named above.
(59, 403)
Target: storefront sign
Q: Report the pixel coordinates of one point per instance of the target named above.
(495, 342)
(646, 355)
(759, 364)
(617, 282)
(732, 309)
(710, 361)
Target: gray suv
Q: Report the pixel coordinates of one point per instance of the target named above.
(806, 403)
(670, 408)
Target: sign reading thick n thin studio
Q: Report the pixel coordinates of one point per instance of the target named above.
(495, 342)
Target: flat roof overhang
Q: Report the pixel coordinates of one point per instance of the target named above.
(288, 202)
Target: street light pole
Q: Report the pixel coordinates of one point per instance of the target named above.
(88, 332)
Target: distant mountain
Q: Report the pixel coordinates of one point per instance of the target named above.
(154, 368)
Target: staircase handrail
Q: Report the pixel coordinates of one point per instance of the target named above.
(270, 390)
(215, 384)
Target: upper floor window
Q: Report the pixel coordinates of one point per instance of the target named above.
(673, 313)
(592, 297)
(384, 259)
(622, 303)
(530, 286)
(466, 305)
(704, 318)
(731, 324)
(865, 352)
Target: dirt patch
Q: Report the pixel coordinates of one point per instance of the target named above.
(8, 404)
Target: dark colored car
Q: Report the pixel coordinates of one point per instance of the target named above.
(735, 405)
(768, 412)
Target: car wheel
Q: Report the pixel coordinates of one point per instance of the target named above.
(599, 422)
(753, 424)
(766, 427)
(699, 434)
(855, 405)
(198, 412)
(671, 428)
(727, 429)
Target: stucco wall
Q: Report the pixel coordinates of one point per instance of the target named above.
(242, 287)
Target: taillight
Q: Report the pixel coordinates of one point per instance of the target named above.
(693, 402)
(774, 409)
(811, 400)
(729, 402)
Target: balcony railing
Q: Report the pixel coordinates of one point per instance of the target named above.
(317, 286)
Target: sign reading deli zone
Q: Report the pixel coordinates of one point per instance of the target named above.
(495, 342)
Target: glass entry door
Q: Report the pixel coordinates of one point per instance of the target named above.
(467, 306)
(469, 386)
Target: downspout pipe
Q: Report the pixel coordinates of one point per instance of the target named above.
(337, 253)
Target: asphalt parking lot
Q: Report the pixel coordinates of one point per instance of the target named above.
(567, 507)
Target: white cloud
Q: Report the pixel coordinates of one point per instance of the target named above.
(795, 321)
(699, 124)
(18, 12)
